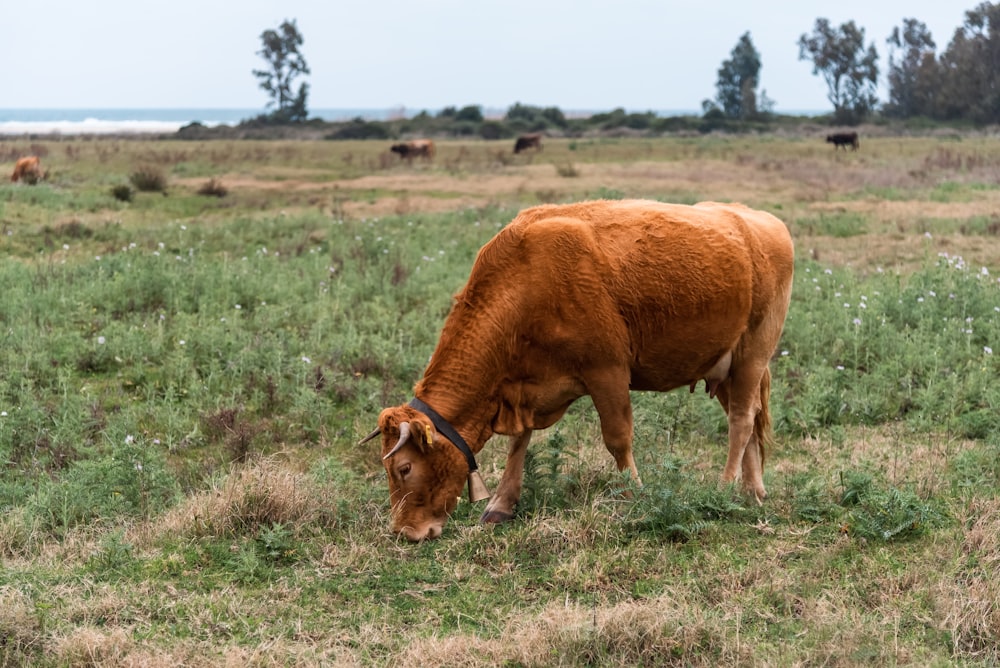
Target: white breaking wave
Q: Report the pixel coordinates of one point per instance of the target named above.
(90, 126)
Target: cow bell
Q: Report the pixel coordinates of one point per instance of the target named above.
(477, 488)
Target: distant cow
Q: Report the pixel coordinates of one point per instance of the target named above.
(417, 148)
(27, 169)
(525, 142)
(844, 139)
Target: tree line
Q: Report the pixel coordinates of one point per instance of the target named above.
(962, 83)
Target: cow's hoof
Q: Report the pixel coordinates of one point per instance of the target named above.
(495, 517)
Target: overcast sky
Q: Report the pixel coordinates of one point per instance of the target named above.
(427, 54)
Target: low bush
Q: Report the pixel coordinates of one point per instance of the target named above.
(122, 192)
(149, 179)
(213, 188)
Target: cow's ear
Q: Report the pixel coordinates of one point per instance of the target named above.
(425, 437)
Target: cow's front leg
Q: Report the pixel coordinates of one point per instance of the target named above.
(614, 407)
(501, 506)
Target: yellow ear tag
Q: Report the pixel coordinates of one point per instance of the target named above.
(430, 434)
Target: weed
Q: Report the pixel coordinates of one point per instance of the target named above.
(114, 555)
(885, 514)
(549, 480)
(567, 170)
(213, 188)
(122, 192)
(149, 178)
(275, 542)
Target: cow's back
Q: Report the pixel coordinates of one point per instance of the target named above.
(666, 289)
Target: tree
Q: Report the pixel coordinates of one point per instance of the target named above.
(913, 78)
(970, 68)
(849, 70)
(738, 78)
(285, 64)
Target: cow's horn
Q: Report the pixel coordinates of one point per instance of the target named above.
(404, 436)
(378, 430)
(477, 488)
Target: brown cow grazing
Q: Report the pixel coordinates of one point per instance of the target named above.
(595, 298)
(524, 142)
(843, 139)
(28, 170)
(417, 148)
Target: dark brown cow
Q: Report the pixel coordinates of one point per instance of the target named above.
(843, 139)
(27, 169)
(597, 298)
(417, 148)
(524, 142)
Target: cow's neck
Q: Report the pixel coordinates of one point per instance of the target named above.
(469, 408)
(462, 381)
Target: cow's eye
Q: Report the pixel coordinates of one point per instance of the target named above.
(404, 470)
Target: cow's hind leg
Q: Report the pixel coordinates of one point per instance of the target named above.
(501, 506)
(740, 396)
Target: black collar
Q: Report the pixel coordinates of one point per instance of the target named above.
(449, 432)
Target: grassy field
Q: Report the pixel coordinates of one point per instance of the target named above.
(185, 378)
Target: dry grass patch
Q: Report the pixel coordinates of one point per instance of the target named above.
(89, 646)
(665, 631)
(20, 625)
(18, 534)
(902, 455)
(259, 494)
(970, 601)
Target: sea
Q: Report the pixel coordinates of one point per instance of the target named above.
(156, 121)
(167, 120)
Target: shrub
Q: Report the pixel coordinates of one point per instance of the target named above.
(149, 179)
(885, 514)
(360, 129)
(122, 192)
(213, 188)
(493, 130)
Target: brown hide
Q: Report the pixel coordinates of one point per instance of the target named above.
(27, 169)
(596, 298)
(418, 148)
(524, 142)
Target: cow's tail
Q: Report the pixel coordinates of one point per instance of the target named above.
(762, 423)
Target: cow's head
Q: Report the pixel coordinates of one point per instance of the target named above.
(401, 149)
(426, 473)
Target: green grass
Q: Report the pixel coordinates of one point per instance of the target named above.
(185, 381)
